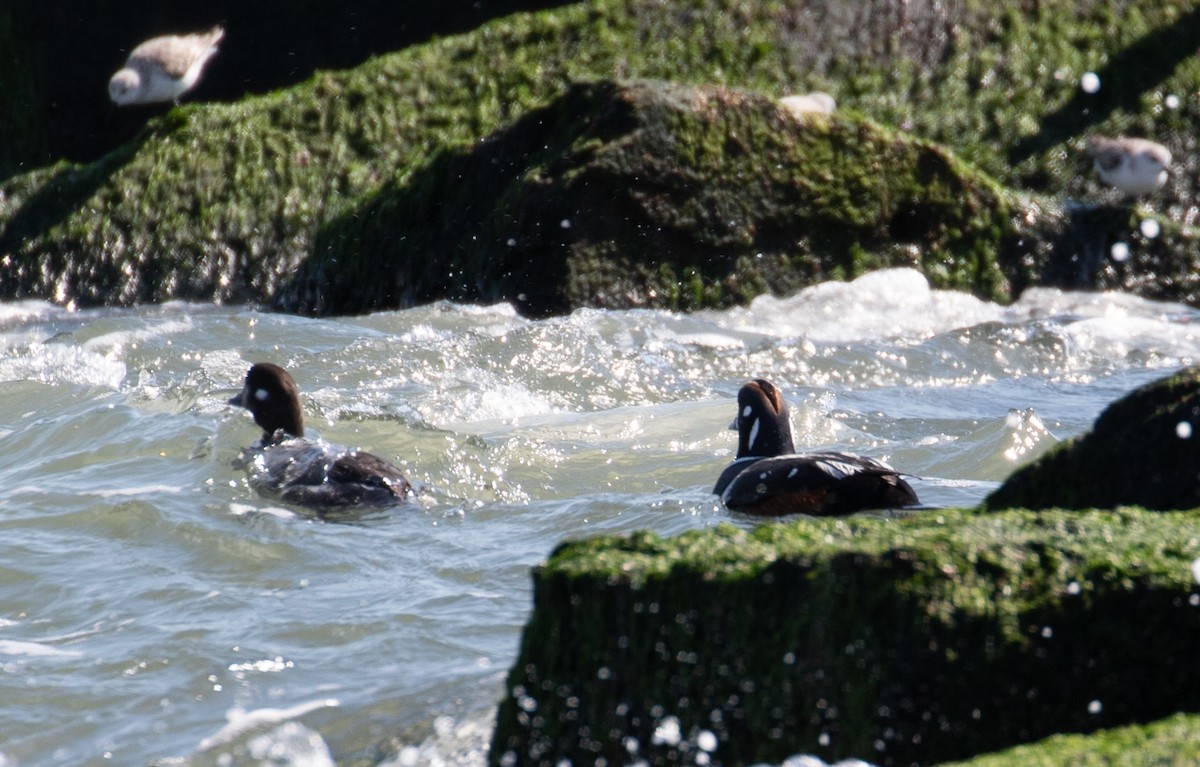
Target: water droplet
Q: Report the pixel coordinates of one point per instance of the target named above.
(1095, 707)
(706, 741)
(1183, 430)
(667, 732)
(1089, 82)
(1119, 251)
(1150, 228)
(1171, 101)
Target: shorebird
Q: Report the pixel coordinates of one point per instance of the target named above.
(809, 103)
(1135, 166)
(163, 68)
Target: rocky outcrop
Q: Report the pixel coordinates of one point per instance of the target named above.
(661, 195)
(264, 200)
(919, 639)
(1144, 449)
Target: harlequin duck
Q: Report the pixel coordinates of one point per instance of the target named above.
(285, 465)
(768, 478)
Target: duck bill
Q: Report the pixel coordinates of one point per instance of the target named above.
(733, 424)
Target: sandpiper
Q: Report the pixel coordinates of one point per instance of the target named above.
(1135, 166)
(809, 103)
(163, 68)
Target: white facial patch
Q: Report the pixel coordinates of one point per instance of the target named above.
(746, 412)
(262, 395)
(753, 434)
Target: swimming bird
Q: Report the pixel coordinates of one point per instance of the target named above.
(1135, 166)
(163, 68)
(769, 478)
(801, 105)
(286, 465)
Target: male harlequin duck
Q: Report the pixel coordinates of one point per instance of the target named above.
(768, 478)
(285, 465)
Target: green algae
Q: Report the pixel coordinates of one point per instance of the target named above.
(658, 194)
(913, 639)
(1172, 742)
(225, 202)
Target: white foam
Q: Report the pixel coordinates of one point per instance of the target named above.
(242, 721)
(60, 363)
(884, 304)
(34, 650)
(119, 339)
(135, 491)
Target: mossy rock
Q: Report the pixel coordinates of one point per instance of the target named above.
(1144, 449)
(908, 640)
(659, 194)
(1172, 742)
(225, 202)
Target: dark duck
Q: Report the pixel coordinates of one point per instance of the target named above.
(285, 465)
(768, 478)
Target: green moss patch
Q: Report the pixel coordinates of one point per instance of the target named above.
(917, 639)
(1173, 742)
(665, 195)
(228, 202)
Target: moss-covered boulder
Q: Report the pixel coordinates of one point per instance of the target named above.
(1172, 742)
(227, 202)
(1144, 449)
(909, 640)
(659, 194)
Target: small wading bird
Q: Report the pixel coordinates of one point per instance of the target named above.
(768, 478)
(163, 68)
(1134, 166)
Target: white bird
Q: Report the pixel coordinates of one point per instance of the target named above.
(1135, 166)
(809, 103)
(163, 68)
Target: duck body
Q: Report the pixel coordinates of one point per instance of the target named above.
(769, 478)
(285, 464)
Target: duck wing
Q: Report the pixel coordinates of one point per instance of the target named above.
(368, 469)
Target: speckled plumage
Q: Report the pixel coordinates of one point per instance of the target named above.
(768, 477)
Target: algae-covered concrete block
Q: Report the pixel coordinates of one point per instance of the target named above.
(916, 639)
(1144, 449)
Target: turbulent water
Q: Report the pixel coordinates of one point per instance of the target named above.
(155, 610)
